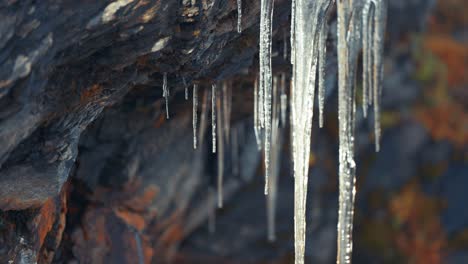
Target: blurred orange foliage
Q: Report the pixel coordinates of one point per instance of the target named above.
(420, 236)
(443, 68)
(453, 54)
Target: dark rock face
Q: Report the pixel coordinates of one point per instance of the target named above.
(63, 62)
(90, 170)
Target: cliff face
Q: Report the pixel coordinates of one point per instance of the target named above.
(89, 168)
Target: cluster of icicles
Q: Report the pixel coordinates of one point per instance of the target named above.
(360, 27)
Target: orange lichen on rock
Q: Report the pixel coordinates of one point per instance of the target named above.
(161, 120)
(143, 201)
(132, 219)
(172, 235)
(45, 220)
(91, 93)
(53, 211)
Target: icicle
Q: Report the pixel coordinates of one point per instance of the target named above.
(235, 153)
(266, 17)
(204, 114)
(220, 149)
(226, 99)
(283, 99)
(186, 88)
(285, 46)
(239, 16)
(261, 115)
(257, 127)
(321, 71)
(343, 237)
(166, 94)
(213, 116)
(378, 45)
(293, 30)
(212, 215)
(368, 29)
(275, 161)
(373, 28)
(194, 115)
(349, 41)
(366, 51)
(308, 18)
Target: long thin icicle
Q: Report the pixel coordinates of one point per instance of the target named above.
(194, 115)
(235, 153)
(204, 116)
(166, 94)
(227, 100)
(239, 16)
(285, 46)
(293, 30)
(366, 54)
(266, 18)
(213, 116)
(275, 161)
(220, 150)
(380, 19)
(212, 215)
(321, 71)
(186, 88)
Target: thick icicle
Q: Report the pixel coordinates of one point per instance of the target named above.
(257, 126)
(239, 16)
(308, 18)
(194, 115)
(348, 29)
(213, 117)
(166, 94)
(186, 88)
(220, 150)
(266, 18)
